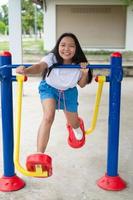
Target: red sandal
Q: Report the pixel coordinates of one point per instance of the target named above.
(72, 141)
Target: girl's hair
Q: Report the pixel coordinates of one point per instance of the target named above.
(77, 58)
(79, 54)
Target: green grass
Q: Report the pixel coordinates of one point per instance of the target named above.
(4, 46)
(32, 45)
(29, 46)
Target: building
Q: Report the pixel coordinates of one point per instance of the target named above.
(99, 24)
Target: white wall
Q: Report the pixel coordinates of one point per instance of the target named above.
(50, 20)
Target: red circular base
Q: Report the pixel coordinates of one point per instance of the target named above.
(114, 183)
(9, 184)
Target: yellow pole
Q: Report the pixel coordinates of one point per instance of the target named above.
(101, 80)
(38, 172)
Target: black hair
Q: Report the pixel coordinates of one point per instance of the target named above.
(79, 54)
(77, 58)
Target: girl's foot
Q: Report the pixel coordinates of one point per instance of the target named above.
(76, 138)
(78, 133)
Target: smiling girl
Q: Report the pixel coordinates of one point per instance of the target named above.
(58, 89)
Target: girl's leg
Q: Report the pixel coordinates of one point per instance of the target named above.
(72, 119)
(76, 130)
(49, 106)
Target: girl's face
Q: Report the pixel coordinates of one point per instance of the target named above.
(67, 49)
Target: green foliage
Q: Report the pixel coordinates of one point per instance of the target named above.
(2, 27)
(27, 16)
(3, 19)
(31, 14)
(40, 20)
(5, 14)
(127, 2)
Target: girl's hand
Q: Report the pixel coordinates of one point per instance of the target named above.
(21, 70)
(83, 65)
(84, 77)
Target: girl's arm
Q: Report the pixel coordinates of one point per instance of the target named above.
(87, 75)
(37, 68)
(84, 78)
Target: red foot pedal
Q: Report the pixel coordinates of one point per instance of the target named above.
(39, 159)
(72, 141)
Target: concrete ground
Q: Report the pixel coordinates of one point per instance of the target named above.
(75, 172)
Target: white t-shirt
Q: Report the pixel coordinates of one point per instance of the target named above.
(61, 78)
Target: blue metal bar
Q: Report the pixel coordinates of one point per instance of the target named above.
(91, 66)
(114, 114)
(115, 78)
(7, 116)
(14, 78)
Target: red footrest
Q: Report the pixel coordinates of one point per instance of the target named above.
(39, 159)
(72, 141)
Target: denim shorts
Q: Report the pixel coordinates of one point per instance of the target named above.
(65, 99)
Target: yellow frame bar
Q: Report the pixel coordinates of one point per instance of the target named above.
(101, 80)
(39, 172)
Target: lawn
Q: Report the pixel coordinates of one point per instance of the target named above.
(4, 46)
(33, 45)
(32, 49)
(28, 45)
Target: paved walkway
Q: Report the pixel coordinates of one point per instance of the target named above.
(75, 172)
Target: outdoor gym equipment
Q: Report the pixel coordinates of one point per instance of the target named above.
(111, 180)
(100, 80)
(38, 165)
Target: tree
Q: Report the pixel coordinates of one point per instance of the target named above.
(40, 21)
(29, 17)
(4, 19)
(127, 2)
(5, 14)
(2, 27)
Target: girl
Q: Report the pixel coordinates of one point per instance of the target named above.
(58, 89)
